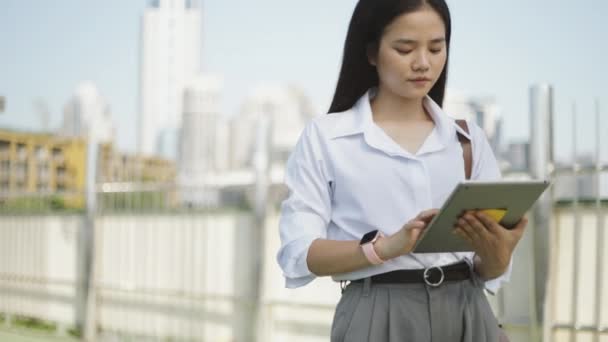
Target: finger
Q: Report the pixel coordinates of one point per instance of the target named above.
(483, 230)
(416, 224)
(479, 227)
(427, 214)
(414, 229)
(414, 233)
(493, 226)
(466, 229)
(460, 233)
(520, 227)
(466, 212)
(472, 231)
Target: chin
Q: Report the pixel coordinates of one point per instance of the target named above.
(407, 92)
(414, 94)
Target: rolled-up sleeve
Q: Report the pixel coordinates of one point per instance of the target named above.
(485, 167)
(306, 212)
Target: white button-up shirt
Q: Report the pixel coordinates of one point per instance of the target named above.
(346, 177)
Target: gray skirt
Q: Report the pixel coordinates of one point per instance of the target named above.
(454, 311)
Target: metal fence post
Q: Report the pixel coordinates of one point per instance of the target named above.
(261, 164)
(577, 226)
(600, 230)
(541, 167)
(86, 295)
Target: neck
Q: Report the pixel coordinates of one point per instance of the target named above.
(388, 106)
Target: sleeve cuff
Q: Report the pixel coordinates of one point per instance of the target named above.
(292, 255)
(292, 283)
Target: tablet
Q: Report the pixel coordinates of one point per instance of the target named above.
(506, 201)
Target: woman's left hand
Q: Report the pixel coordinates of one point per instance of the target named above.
(492, 243)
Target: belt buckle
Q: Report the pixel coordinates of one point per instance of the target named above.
(427, 275)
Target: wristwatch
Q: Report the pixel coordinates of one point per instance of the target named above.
(367, 244)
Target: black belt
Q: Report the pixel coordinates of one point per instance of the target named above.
(433, 276)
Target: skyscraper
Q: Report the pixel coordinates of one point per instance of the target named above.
(87, 113)
(198, 140)
(197, 152)
(170, 54)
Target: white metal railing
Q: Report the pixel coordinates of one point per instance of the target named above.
(137, 250)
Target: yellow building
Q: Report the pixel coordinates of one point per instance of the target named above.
(120, 167)
(39, 164)
(42, 164)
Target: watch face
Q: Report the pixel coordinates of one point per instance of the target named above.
(368, 237)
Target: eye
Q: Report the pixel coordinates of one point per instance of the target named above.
(435, 51)
(402, 52)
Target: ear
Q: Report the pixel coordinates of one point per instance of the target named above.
(372, 53)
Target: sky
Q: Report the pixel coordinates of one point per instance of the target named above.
(499, 49)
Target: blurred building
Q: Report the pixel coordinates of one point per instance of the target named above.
(115, 166)
(43, 164)
(223, 144)
(2, 104)
(87, 113)
(584, 186)
(170, 54)
(198, 150)
(517, 156)
(288, 109)
(483, 111)
(46, 164)
(587, 185)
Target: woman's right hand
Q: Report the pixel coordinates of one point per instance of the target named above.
(403, 241)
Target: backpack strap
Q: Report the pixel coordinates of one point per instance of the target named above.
(467, 152)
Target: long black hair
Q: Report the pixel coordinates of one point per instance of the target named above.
(367, 25)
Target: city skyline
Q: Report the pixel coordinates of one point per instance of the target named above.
(270, 41)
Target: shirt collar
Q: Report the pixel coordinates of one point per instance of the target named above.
(359, 119)
(354, 120)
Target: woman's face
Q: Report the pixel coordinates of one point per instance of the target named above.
(412, 53)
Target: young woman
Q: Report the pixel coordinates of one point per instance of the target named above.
(363, 181)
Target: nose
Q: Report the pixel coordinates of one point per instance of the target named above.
(421, 62)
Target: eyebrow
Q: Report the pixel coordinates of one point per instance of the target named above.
(411, 41)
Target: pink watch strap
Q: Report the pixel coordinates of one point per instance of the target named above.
(370, 252)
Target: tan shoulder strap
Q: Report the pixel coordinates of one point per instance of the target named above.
(467, 152)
